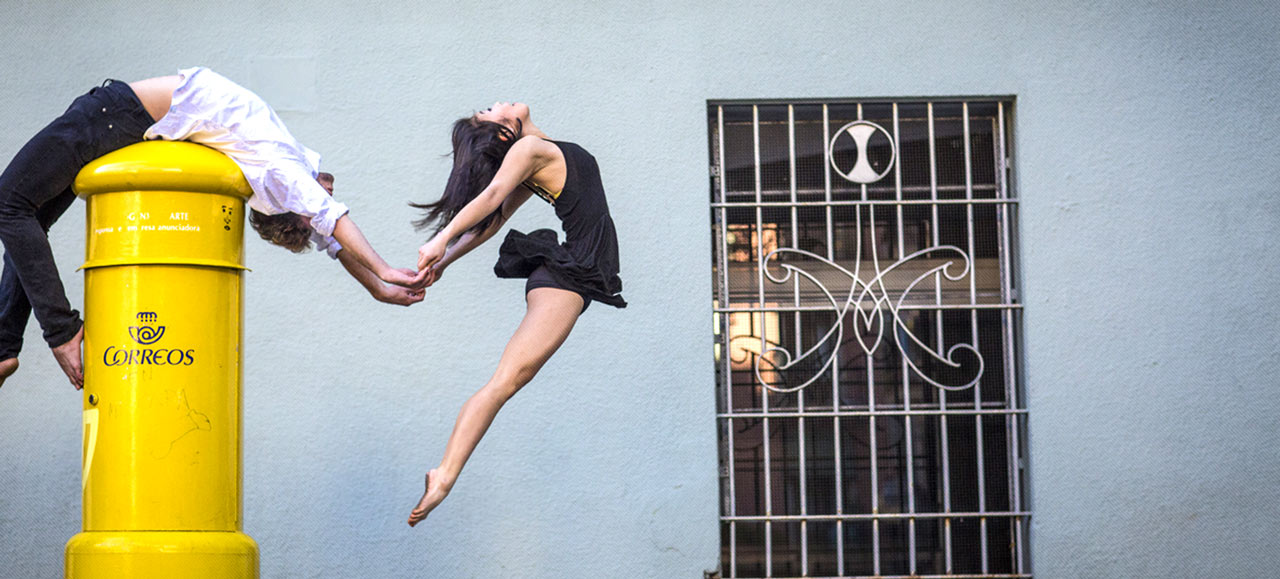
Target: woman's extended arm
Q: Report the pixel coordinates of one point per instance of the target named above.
(473, 239)
(525, 158)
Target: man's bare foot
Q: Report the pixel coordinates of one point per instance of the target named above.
(436, 491)
(7, 368)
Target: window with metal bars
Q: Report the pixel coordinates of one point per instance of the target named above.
(870, 413)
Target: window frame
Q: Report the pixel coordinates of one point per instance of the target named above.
(1009, 307)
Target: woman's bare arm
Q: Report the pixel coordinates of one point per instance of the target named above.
(473, 239)
(526, 157)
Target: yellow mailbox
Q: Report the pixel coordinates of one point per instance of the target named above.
(163, 299)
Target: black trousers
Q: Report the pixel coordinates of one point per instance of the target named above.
(35, 190)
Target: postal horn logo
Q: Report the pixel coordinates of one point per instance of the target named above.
(146, 335)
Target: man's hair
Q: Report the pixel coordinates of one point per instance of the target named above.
(288, 230)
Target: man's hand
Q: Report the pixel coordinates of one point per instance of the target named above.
(401, 296)
(406, 278)
(433, 274)
(421, 279)
(68, 357)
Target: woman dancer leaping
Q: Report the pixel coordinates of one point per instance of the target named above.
(500, 159)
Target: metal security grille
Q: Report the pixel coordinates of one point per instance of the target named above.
(866, 315)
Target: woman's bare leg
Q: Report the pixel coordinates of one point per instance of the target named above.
(550, 315)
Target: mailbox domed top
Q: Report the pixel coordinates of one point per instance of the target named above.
(163, 166)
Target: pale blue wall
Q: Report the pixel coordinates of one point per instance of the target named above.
(1147, 162)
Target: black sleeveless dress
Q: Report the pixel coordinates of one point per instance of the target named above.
(587, 261)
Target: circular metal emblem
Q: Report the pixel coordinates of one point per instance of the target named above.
(861, 133)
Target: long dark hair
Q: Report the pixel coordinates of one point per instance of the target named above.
(478, 149)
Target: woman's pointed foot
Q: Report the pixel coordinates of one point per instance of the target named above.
(435, 492)
(7, 368)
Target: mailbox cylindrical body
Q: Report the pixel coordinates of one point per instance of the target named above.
(162, 352)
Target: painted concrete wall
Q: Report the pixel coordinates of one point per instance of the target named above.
(1146, 158)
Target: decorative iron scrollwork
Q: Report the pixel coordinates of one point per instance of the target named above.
(873, 309)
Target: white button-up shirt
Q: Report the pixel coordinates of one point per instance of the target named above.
(209, 109)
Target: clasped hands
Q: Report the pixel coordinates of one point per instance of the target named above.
(404, 286)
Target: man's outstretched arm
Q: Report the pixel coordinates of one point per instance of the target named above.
(357, 248)
(390, 294)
